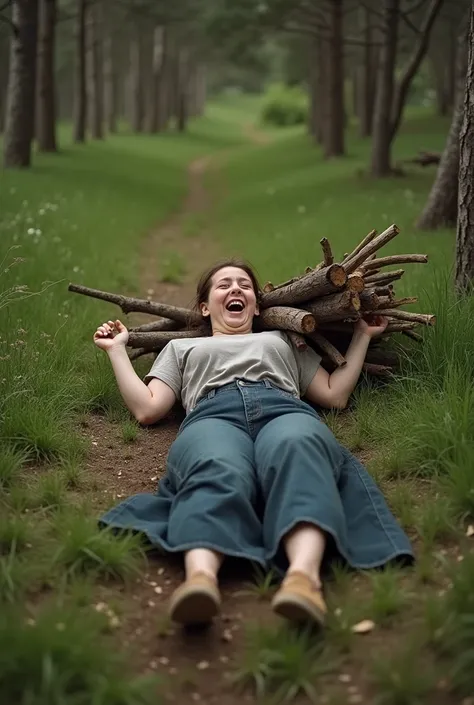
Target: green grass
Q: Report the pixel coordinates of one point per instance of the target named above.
(172, 267)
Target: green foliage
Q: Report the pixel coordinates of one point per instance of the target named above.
(388, 598)
(130, 430)
(11, 462)
(284, 106)
(60, 658)
(282, 662)
(84, 548)
(401, 679)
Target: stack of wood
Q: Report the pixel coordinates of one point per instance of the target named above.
(318, 308)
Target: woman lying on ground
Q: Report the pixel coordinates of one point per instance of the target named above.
(253, 473)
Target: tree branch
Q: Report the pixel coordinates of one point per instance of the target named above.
(413, 65)
(409, 23)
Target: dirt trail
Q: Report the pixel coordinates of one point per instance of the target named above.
(195, 664)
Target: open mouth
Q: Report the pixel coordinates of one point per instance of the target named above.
(235, 306)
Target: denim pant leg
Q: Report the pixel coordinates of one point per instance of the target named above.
(211, 464)
(297, 460)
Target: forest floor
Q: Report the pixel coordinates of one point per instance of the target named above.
(407, 653)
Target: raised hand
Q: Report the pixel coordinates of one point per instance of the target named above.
(111, 335)
(372, 325)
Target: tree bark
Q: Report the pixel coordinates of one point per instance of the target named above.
(334, 138)
(464, 276)
(20, 111)
(95, 71)
(366, 76)
(157, 118)
(441, 208)
(46, 113)
(316, 283)
(80, 92)
(381, 134)
(4, 61)
(136, 84)
(182, 89)
(286, 318)
(110, 82)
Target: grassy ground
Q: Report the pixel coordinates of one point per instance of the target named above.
(80, 216)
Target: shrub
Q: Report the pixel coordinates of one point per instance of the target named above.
(284, 106)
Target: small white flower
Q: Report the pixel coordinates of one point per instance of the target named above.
(75, 269)
(31, 231)
(301, 209)
(37, 231)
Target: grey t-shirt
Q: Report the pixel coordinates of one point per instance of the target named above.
(194, 366)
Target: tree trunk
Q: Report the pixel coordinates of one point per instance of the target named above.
(465, 232)
(381, 138)
(110, 83)
(314, 69)
(441, 209)
(366, 76)
(136, 86)
(80, 93)
(182, 90)
(3, 79)
(46, 113)
(334, 141)
(96, 83)
(157, 93)
(20, 110)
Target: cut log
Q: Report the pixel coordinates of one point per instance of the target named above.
(335, 307)
(389, 302)
(354, 262)
(383, 290)
(422, 318)
(163, 324)
(309, 286)
(355, 282)
(157, 341)
(394, 259)
(328, 349)
(129, 304)
(384, 277)
(369, 300)
(286, 318)
(268, 287)
(368, 238)
(298, 341)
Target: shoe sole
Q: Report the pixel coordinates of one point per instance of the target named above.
(196, 606)
(296, 609)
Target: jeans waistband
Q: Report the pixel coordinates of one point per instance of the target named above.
(234, 385)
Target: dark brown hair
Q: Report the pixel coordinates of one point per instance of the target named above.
(205, 282)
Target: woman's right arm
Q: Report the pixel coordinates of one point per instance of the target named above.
(148, 403)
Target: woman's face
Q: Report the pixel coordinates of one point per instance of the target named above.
(232, 302)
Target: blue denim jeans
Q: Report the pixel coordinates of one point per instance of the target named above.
(249, 463)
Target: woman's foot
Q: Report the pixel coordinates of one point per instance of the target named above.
(196, 601)
(300, 600)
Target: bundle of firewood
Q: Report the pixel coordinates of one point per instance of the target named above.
(318, 308)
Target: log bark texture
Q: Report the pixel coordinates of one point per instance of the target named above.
(316, 283)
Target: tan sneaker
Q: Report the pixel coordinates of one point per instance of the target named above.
(299, 600)
(196, 601)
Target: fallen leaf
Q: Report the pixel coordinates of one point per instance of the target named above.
(363, 627)
(470, 530)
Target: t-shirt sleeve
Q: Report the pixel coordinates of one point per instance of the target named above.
(308, 362)
(167, 368)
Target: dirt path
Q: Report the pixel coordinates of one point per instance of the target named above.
(196, 664)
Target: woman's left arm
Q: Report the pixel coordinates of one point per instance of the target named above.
(333, 390)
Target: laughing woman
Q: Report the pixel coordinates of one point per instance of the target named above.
(253, 473)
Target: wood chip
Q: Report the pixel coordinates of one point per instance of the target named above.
(161, 571)
(203, 665)
(164, 660)
(227, 635)
(158, 590)
(364, 627)
(345, 678)
(470, 530)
